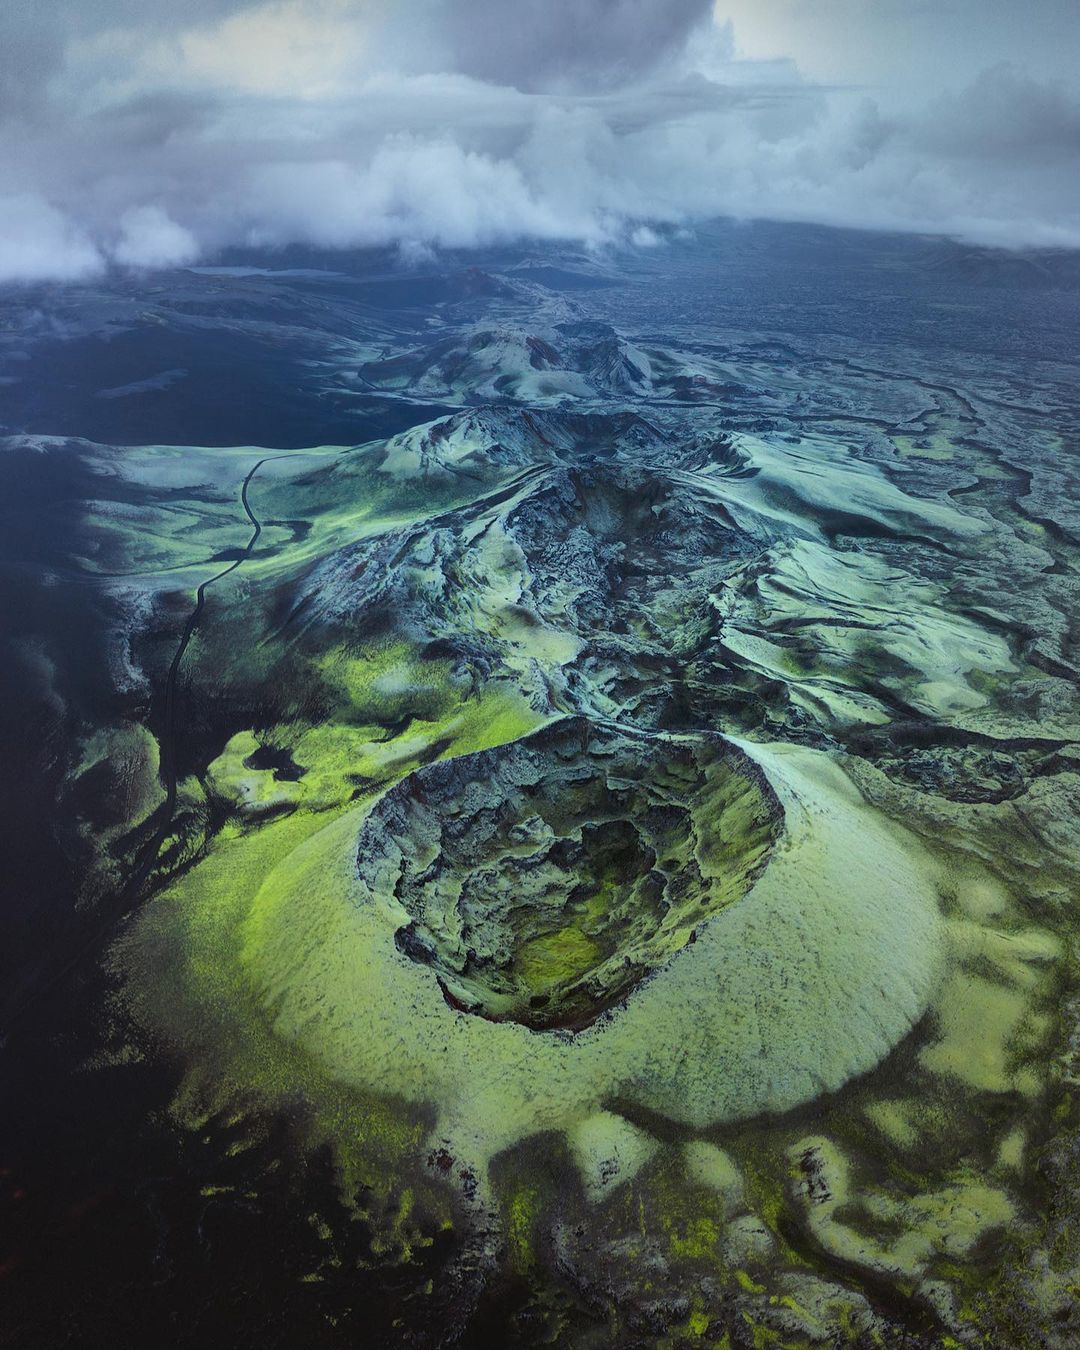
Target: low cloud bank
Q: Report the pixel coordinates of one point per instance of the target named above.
(141, 140)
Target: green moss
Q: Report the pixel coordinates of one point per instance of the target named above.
(697, 1323)
(522, 1211)
(556, 959)
(698, 1240)
(387, 683)
(251, 791)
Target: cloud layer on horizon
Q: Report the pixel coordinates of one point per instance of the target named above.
(135, 136)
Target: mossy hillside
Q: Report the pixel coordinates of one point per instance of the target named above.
(265, 652)
(247, 657)
(186, 983)
(172, 509)
(345, 717)
(250, 885)
(496, 1083)
(385, 707)
(856, 640)
(352, 497)
(169, 516)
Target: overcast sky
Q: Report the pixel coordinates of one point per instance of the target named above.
(139, 133)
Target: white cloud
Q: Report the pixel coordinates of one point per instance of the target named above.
(38, 243)
(148, 238)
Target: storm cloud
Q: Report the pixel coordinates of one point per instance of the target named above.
(141, 135)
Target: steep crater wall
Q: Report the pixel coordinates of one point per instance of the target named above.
(542, 880)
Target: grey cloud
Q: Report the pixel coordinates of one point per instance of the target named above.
(567, 44)
(1006, 114)
(31, 51)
